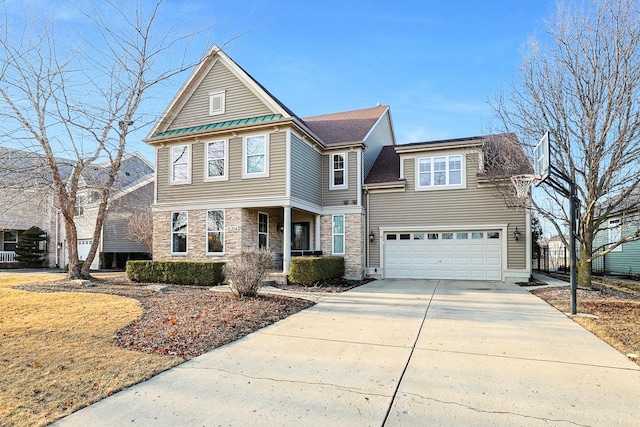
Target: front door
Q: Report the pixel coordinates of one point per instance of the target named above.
(300, 236)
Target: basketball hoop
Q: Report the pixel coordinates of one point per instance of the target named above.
(523, 184)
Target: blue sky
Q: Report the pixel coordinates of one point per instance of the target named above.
(435, 62)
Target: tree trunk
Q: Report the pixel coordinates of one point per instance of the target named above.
(584, 265)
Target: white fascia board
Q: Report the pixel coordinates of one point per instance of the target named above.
(346, 209)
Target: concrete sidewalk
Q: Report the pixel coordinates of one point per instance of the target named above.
(395, 353)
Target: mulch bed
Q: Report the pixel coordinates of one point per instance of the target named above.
(186, 321)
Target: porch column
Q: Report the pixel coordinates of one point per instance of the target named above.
(318, 246)
(286, 247)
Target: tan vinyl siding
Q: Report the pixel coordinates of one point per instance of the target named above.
(235, 187)
(115, 236)
(240, 101)
(306, 172)
(380, 136)
(454, 208)
(337, 197)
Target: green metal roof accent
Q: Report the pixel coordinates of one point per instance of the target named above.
(220, 125)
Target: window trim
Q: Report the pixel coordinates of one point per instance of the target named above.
(447, 186)
(263, 174)
(221, 231)
(334, 234)
(186, 232)
(225, 158)
(614, 229)
(171, 164)
(222, 96)
(345, 171)
(265, 233)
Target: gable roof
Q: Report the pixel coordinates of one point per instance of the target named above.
(213, 55)
(345, 127)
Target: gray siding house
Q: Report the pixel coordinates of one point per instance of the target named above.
(27, 199)
(623, 222)
(235, 169)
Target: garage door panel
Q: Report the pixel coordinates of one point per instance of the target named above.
(428, 255)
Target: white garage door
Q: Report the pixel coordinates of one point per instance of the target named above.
(470, 255)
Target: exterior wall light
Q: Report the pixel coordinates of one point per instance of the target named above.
(371, 236)
(516, 234)
(280, 227)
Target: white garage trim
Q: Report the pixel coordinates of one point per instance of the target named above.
(477, 227)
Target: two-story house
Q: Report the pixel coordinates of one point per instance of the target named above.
(27, 199)
(235, 169)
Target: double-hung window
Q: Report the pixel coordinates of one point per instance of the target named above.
(10, 241)
(263, 230)
(615, 233)
(180, 164)
(440, 172)
(215, 232)
(338, 235)
(256, 156)
(179, 233)
(338, 173)
(217, 160)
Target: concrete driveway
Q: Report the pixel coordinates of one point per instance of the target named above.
(396, 353)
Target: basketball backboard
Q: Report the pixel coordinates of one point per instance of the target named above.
(542, 157)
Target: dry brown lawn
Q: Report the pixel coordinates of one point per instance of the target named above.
(58, 351)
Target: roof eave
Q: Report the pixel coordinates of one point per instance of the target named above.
(217, 131)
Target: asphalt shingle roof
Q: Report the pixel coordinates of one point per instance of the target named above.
(345, 127)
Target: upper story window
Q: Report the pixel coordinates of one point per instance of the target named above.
(440, 172)
(615, 233)
(180, 164)
(256, 156)
(217, 161)
(338, 173)
(217, 103)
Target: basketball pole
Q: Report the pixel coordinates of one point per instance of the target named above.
(572, 195)
(548, 174)
(575, 206)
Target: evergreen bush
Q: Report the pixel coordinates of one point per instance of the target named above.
(28, 247)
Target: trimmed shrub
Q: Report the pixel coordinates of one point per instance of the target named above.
(176, 272)
(311, 270)
(246, 271)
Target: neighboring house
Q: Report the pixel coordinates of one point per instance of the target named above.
(132, 191)
(624, 221)
(26, 199)
(237, 169)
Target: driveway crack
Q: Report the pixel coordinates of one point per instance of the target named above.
(484, 411)
(413, 348)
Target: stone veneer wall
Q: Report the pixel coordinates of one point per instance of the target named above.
(246, 236)
(354, 243)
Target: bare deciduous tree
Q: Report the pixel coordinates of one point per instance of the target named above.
(583, 86)
(77, 96)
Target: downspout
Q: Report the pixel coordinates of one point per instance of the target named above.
(366, 235)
